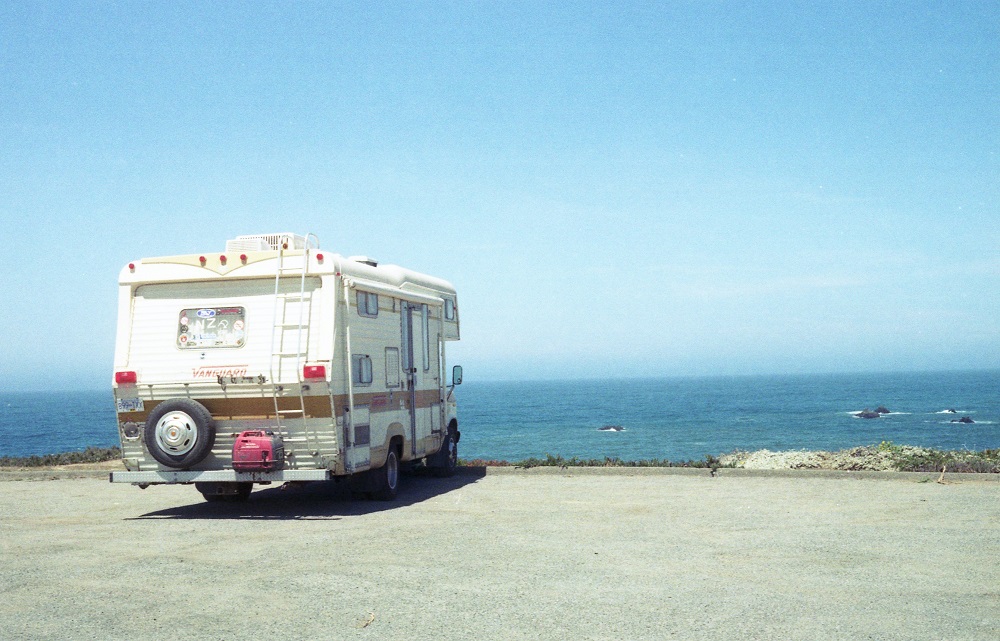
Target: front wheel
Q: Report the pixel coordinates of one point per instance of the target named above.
(388, 477)
(446, 460)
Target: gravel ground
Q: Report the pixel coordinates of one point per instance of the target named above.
(545, 553)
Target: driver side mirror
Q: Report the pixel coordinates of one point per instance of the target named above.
(456, 375)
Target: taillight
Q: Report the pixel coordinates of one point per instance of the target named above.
(125, 377)
(310, 372)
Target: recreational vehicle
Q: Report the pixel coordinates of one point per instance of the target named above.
(275, 361)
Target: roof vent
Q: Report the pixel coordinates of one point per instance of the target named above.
(365, 260)
(265, 242)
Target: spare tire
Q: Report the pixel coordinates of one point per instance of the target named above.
(179, 433)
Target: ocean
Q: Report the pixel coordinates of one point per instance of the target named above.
(672, 418)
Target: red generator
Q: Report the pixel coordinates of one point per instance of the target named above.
(258, 451)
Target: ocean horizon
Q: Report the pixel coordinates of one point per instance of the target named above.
(676, 418)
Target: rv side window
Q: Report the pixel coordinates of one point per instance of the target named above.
(449, 309)
(391, 367)
(367, 304)
(361, 369)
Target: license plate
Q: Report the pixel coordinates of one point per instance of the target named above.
(129, 405)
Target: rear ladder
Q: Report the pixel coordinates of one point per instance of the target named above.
(290, 336)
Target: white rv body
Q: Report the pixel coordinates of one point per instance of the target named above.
(342, 359)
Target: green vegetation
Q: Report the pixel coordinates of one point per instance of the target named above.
(89, 455)
(709, 461)
(918, 459)
(884, 456)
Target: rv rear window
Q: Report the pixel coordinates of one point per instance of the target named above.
(449, 309)
(368, 304)
(203, 327)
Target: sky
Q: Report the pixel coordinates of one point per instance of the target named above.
(686, 188)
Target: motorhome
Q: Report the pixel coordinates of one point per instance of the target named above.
(276, 361)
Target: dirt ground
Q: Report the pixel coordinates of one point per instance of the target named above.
(507, 554)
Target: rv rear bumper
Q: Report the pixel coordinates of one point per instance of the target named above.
(217, 476)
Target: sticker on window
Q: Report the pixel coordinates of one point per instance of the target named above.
(211, 327)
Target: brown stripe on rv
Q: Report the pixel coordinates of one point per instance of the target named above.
(243, 408)
(315, 406)
(388, 401)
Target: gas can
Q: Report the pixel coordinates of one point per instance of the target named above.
(258, 451)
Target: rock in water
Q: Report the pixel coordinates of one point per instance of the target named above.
(882, 409)
(867, 413)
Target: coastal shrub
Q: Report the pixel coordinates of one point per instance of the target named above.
(924, 460)
(479, 462)
(888, 446)
(884, 456)
(89, 455)
(710, 462)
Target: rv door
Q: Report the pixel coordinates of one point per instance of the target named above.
(410, 368)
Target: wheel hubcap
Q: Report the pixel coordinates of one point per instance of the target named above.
(176, 433)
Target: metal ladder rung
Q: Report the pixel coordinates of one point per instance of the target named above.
(285, 308)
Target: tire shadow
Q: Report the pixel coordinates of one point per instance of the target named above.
(318, 501)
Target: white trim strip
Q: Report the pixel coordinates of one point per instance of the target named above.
(188, 476)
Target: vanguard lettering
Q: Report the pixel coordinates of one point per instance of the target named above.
(216, 372)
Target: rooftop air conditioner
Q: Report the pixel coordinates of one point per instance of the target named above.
(265, 242)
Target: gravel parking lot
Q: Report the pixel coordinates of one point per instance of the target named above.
(508, 554)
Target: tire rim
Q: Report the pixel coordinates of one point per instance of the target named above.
(176, 433)
(392, 470)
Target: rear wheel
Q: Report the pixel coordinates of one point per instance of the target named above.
(225, 492)
(243, 492)
(388, 477)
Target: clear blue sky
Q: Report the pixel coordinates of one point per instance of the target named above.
(616, 189)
